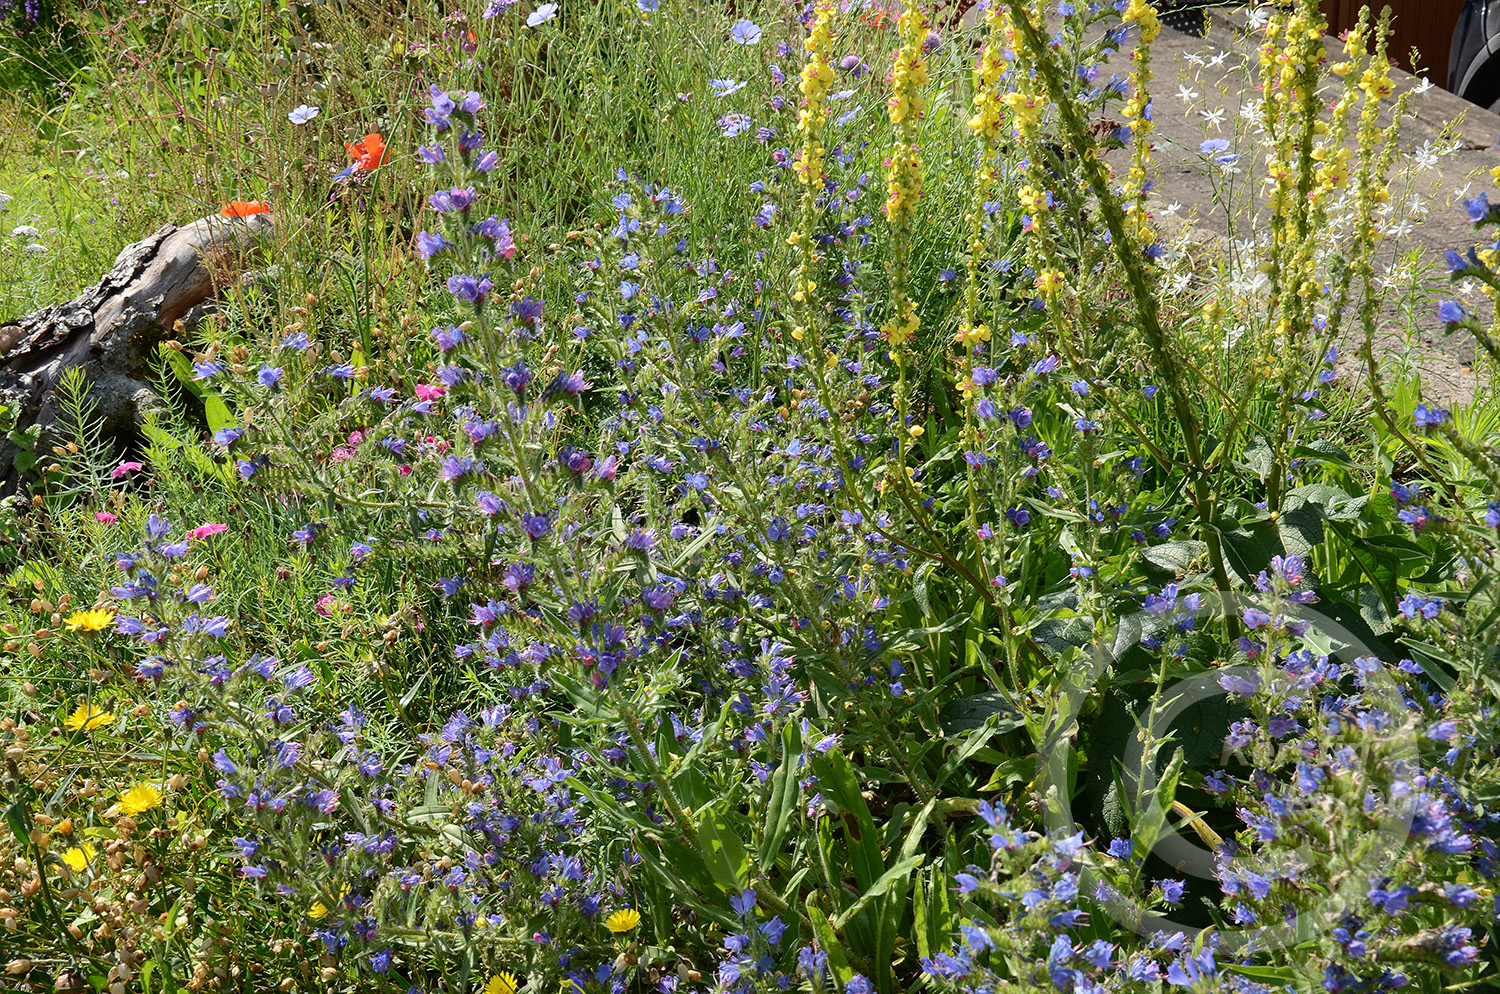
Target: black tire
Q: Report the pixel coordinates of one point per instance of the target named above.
(1474, 60)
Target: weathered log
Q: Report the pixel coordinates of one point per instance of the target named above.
(112, 329)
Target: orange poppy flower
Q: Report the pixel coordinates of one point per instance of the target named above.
(240, 208)
(367, 154)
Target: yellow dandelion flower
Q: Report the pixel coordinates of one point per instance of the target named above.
(623, 920)
(92, 620)
(320, 910)
(87, 718)
(503, 982)
(79, 857)
(141, 797)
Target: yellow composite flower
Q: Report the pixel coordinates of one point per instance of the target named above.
(79, 857)
(141, 797)
(320, 910)
(91, 620)
(503, 982)
(623, 920)
(87, 718)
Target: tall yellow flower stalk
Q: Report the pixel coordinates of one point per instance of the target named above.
(1306, 164)
(903, 188)
(812, 117)
(903, 177)
(988, 126)
(1138, 108)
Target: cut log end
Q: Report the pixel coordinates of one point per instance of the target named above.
(113, 328)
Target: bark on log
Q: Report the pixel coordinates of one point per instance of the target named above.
(113, 328)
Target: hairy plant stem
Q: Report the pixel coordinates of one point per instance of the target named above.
(1132, 261)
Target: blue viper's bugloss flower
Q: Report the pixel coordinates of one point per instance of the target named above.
(473, 289)
(1425, 417)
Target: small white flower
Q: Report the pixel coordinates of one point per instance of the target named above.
(1423, 86)
(1172, 209)
(1218, 59)
(1214, 117)
(5, 200)
(541, 15)
(35, 248)
(1186, 93)
(303, 114)
(25, 231)
(1257, 18)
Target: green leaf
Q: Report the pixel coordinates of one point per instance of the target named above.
(182, 368)
(919, 917)
(1151, 813)
(217, 413)
(1433, 656)
(1058, 635)
(1321, 450)
(1409, 557)
(784, 800)
(1273, 974)
(15, 817)
(1259, 458)
(919, 592)
(838, 962)
(1177, 557)
(1248, 547)
(975, 711)
(1300, 525)
(861, 836)
(723, 851)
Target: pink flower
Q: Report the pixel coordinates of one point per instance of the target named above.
(125, 469)
(430, 391)
(406, 470)
(326, 602)
(204, 531)
(105, 517)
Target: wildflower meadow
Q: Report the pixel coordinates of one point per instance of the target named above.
(745, 497)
